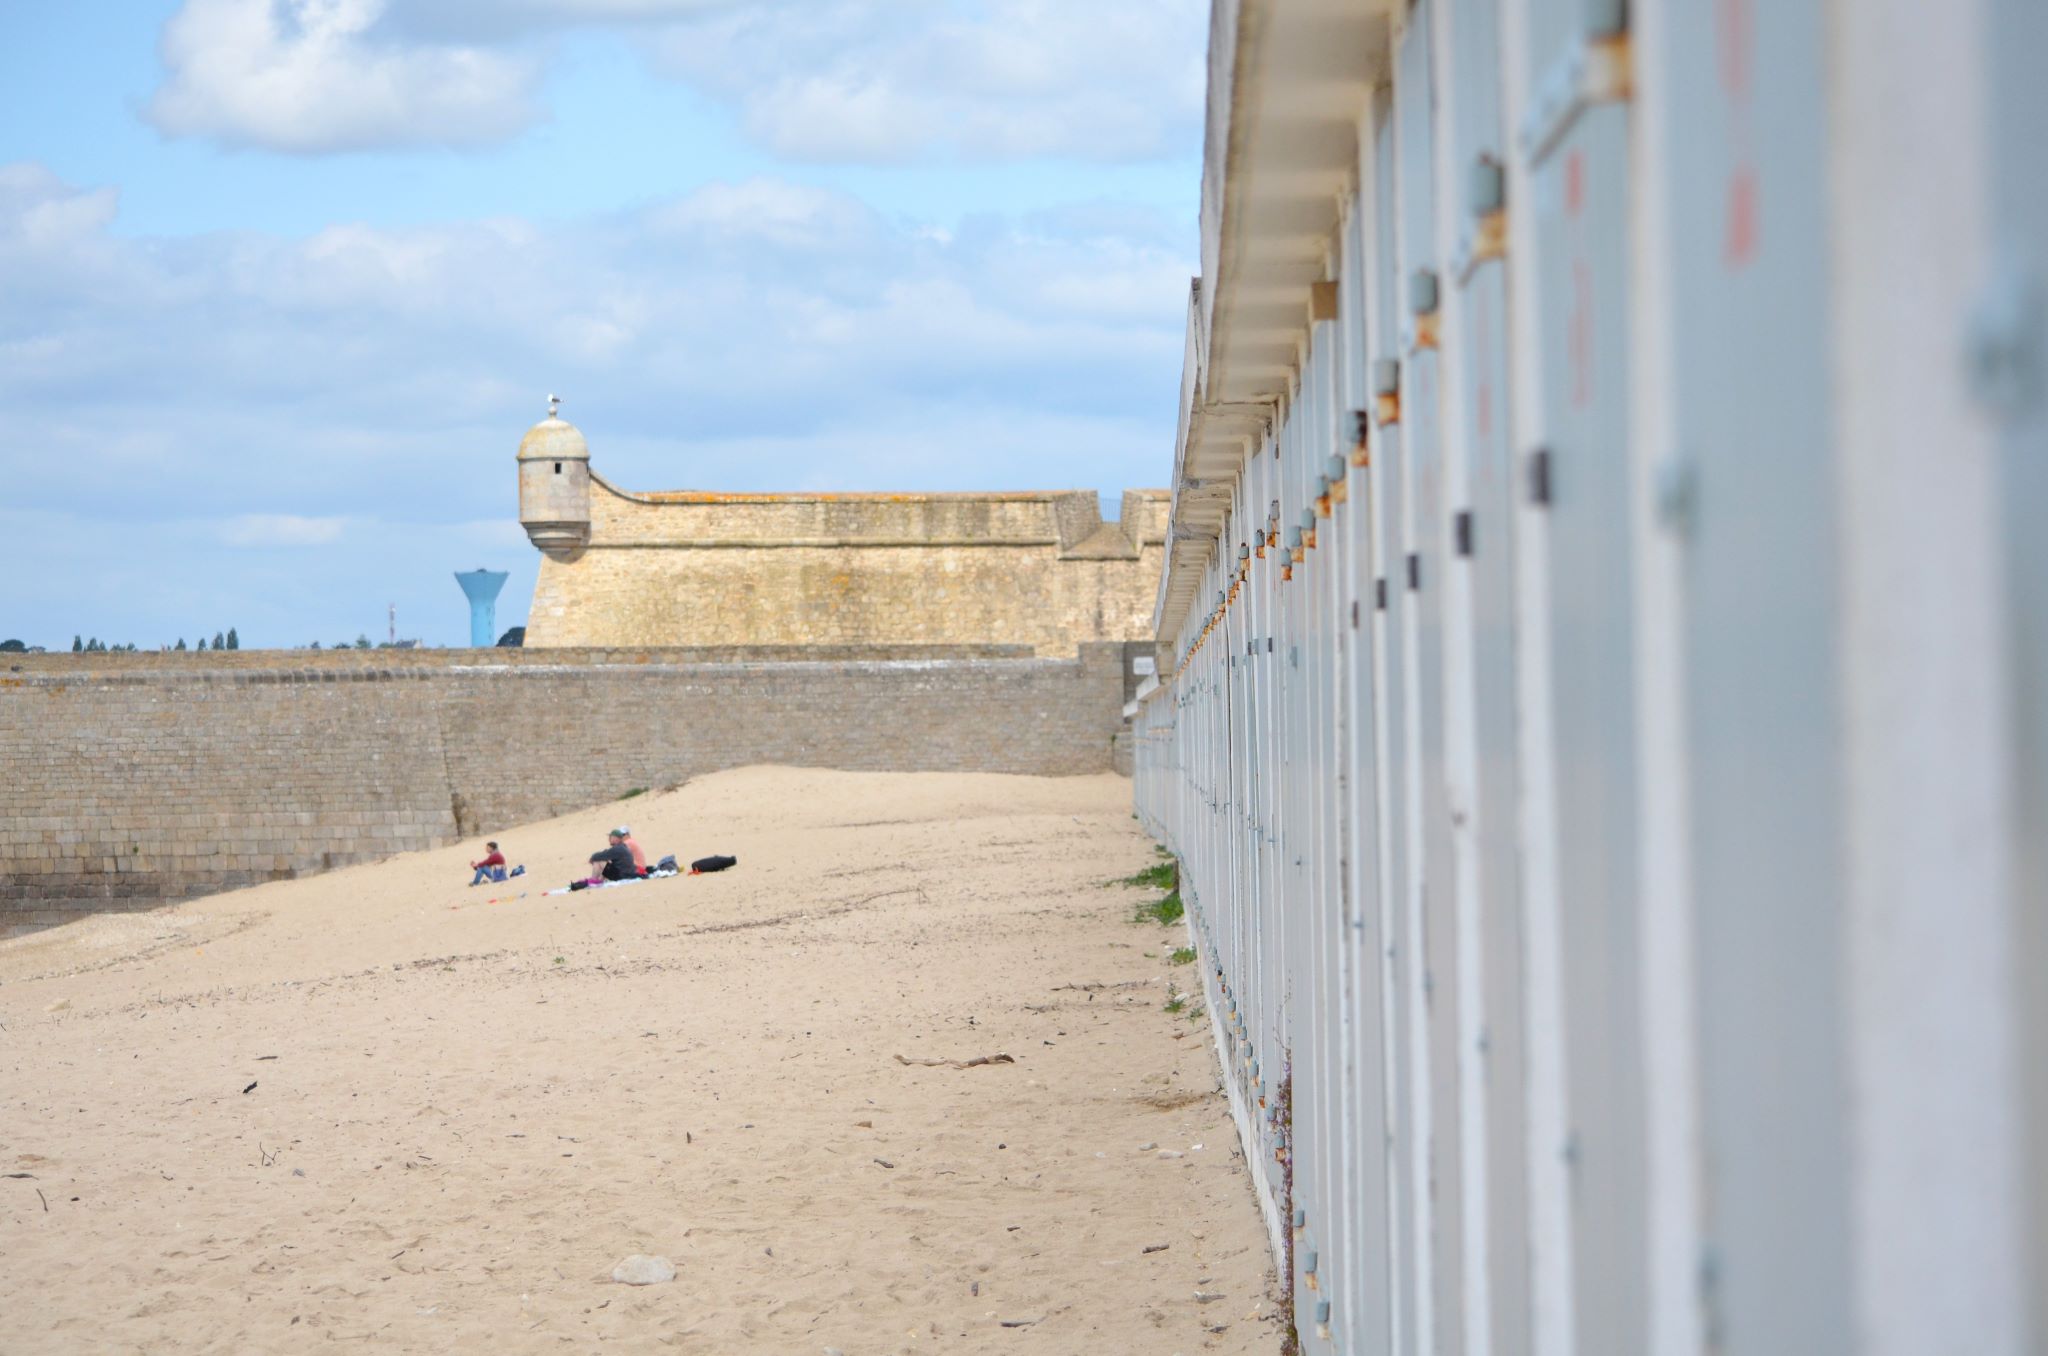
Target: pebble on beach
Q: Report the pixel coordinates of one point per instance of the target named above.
(640, 1269)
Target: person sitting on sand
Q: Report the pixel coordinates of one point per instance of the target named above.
(615, 862)
(639, 858)
(493, 858)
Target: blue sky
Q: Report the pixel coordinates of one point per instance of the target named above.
(285, 280)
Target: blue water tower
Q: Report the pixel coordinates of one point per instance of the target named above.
(482, 587)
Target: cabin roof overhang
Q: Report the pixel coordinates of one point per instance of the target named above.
(1288, 83)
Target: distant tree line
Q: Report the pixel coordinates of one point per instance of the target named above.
(228, 640)
(365, 643)
(222, 640)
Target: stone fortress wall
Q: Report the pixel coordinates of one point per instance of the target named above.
(1040, 569)
(126, 780)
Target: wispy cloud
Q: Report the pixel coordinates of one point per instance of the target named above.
(318, 76)
(895, 80)
(864, 81)
(281, 529)
(151, 583)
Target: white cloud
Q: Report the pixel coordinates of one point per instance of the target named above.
(39, 211)
(890, 80)
(774, 210)
(317, 76)
(281, 529)
(496, 20)
(873, 81)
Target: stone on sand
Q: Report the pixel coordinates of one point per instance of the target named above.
(640, 1269)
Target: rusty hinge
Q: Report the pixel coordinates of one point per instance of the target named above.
(1386, 381)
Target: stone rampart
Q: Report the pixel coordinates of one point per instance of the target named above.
(1041, 570)
(128, 779)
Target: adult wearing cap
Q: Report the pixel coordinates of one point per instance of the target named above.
(625, 836)
(615, 862)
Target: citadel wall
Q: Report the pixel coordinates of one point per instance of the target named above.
(128, 782)
(1040, 569)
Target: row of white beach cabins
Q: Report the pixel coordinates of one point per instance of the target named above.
(1603, 709)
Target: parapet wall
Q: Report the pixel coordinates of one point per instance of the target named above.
(344, 661)
(126, 783)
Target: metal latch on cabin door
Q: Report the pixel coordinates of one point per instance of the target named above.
(1596, 67)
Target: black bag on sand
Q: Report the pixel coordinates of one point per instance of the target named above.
(704, 866)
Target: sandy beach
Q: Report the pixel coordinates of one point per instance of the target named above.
(379, 1108)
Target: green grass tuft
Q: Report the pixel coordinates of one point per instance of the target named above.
(1183, 955)
(1162, 911)
(1158, 876)
(636, 791)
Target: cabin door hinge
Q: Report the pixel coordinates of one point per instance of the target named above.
(1539, 477)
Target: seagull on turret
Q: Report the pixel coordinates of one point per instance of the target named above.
(554, 404)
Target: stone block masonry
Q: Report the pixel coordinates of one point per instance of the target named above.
(125, 785)
(1038, 569)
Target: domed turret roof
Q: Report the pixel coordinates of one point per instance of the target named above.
(553, 439)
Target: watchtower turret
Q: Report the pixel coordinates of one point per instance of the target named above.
(554, 486)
